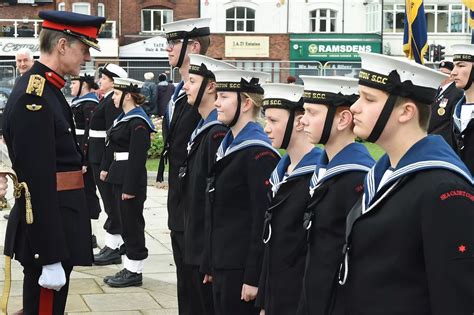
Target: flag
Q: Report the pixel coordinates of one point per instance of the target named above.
(415, 36)
(470, 5)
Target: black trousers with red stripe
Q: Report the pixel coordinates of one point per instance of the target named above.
(32, 292)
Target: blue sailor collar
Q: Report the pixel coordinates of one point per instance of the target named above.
(307, 165)
(137, 112)
(429, 153)
(178, 92)
(251, 135)
(89, 97)
(353, 157)
(203, 125)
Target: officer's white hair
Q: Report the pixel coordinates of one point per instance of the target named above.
(24, 51)
(149, 76)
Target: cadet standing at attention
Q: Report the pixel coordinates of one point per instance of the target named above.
(237, 191)
(335, 186)
(409, 241)
(202, 147)
(184, 37)
(283, 234)
(127, 144)
(463, 74)
(101, 121)
(42, 144)
(83, 105)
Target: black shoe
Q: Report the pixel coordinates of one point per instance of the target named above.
(108, 256)
(94, 241)
(124, 278)
(122, 250)
(6, 216)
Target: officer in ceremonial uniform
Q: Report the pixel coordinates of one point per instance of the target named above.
(83, 105)
(283, 234)
(335, 186)
(202, 147)
(441, 121)
(127, 144)
(184, 37)
(463, 74)
(101, 121)
(42, 144)
(237, 191)
(409, 240)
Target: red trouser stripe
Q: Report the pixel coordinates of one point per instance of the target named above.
(46, 301)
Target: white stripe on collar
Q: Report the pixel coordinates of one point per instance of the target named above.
(333, 171)
(199, 131)
(409, 169)
(80, 100)
(275, 180)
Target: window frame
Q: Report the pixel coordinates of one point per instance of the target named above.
(316, 20)
(152, 10)
(78, 4)
(244, 20)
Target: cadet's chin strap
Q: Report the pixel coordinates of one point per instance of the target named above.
(200, 94)
(288, 130)
(383, 118)
(182, 53)
(471, 78)
(17, 188)
(328, 124)
(80, 88)
(122, 98)
(237, 112)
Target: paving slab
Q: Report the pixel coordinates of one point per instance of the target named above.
(120, 302)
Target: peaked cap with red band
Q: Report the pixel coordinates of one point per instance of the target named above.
(84, 27)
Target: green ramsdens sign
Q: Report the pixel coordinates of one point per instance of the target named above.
(332, 47)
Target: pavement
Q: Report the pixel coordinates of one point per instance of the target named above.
(89, 295)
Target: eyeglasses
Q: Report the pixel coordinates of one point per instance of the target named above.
(172, 42)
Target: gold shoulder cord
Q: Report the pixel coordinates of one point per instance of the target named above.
(17, 188)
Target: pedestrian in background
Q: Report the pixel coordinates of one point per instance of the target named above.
(164, 92)
(149, 92)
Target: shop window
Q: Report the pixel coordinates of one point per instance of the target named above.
(240, 19)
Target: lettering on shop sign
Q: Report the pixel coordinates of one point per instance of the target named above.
(9, 47)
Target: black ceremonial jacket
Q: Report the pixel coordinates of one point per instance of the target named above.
(465, 139)
(130, 134)
(237, 207)
(176, 136)
(101, 120)
(40, 135)
(284, 236)
(82, 110)
(201, 157)
(411, 242)
(441, 122)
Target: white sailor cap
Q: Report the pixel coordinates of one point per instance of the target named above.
(113, 71)
(400, 77)
(84, 75)
(189, 28)
(128, 85)
(334, 91)
(240, 80)
(205, 66)
(463, 52)
(280, 95)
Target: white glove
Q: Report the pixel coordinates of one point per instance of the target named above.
(52, 277)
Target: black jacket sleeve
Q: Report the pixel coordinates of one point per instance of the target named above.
(138, 150)
(33, 154)
(448, 244)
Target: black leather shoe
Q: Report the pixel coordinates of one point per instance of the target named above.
(94, 241)
(124, 278)
(108, 256)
